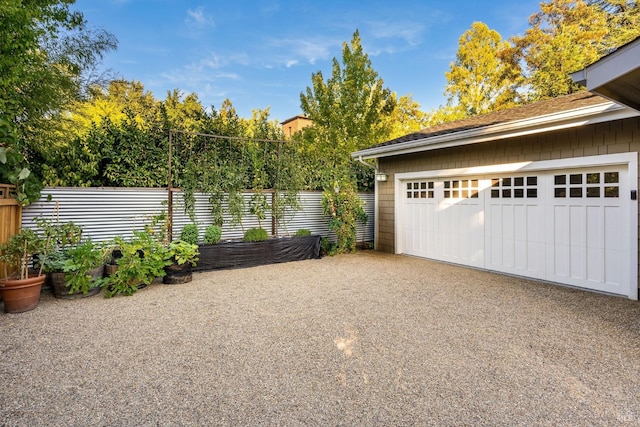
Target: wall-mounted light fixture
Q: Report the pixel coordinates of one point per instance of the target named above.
(381, 176)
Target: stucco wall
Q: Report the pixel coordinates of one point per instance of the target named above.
(605, 138)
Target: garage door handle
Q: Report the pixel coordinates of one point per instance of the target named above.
(634, 194)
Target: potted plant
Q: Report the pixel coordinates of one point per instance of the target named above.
(141, 260)
(83, 266)
(184, 256)
(21, 291)
(73, 266)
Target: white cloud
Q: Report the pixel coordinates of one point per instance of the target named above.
(308, 51)
(198, 17)
(410, 32)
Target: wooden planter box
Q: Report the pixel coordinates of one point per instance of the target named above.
(239, 254)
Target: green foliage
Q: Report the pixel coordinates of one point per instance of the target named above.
(190, 234)
(259, 206)
(47, 56)
(255, 235)
(183, 252)
(212, 234)
(348, 111)
(14, 168)
(59, 238)
(486, 75)
(327, 247)
(406, 117)
(303, 232)
(143, 259)
(18, 252)
(79, 260)
(344, 209)
(564, 37)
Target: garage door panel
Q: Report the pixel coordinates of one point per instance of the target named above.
(577, 236)
(614, 251)
(595, 244)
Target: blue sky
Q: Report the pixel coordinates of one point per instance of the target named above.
(261, 54)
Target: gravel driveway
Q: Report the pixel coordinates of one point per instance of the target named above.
(362, 339)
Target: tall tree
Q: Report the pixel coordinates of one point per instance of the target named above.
(406, 117)
(564, 37)
(47, 56)
(486, 75)
(46, 51)
(623, 21)
(347, 109)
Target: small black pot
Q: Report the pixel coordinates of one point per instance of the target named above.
(176, 274)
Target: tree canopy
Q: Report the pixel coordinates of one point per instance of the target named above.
(347, 110)
(486, 75)
(47, 59)
(567, 35)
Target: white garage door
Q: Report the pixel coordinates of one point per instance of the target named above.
(567, 226)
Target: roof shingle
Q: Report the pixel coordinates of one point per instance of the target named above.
(541, 108)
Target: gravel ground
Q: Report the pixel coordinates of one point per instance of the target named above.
(362, 339)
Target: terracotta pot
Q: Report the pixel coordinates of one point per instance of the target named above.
(21, 295)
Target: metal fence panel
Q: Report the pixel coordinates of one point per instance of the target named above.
(108, 212)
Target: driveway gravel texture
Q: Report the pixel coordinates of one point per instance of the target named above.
(353, 340)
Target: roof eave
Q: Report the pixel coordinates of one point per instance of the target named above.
(607, 111)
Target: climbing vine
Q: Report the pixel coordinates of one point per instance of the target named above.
(344, 209)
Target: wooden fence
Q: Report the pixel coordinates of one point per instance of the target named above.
(10, 216)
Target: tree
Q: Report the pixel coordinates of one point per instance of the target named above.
(120, 99)
(565, 36)
(623, 22)
(44, 50)
(185, 112)
(485, 76)
(347, 110)
(405, 118)
(47, 55)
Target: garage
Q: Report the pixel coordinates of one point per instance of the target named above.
(567, 222)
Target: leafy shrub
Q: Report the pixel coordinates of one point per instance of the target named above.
(327, 247)
(212, 234)
(303, 232)
(78, 261)
(190, 234)
(183, 252)
(143, 259)
(255, 235)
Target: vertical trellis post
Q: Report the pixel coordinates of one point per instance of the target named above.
(170, 192)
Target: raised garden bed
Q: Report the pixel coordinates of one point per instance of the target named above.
(239, 254)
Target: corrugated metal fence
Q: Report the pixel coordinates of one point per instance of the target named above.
(108, 212)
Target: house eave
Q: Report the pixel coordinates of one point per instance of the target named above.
(605, 112)
(615, 76)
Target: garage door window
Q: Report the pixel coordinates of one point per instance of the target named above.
(461, 189)
(420, 190)
(589, 184)
(516, 187)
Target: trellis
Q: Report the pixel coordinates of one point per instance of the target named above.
(195, 161)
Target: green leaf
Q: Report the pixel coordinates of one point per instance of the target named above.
(24, 174)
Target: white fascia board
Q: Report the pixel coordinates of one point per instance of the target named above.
(604, 112)
(611, 67)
